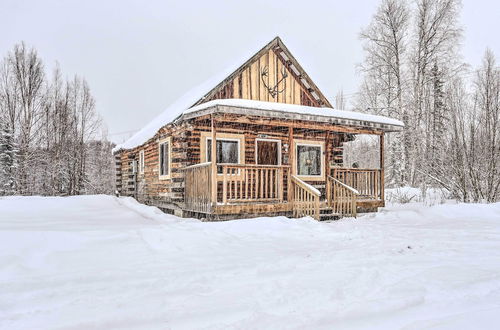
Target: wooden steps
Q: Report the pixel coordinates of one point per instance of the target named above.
(326, 213)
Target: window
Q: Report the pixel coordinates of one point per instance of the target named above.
(164, 158)
(309, 160)
(228, 152)
(133, 166)
(141, 162)
(229, 148)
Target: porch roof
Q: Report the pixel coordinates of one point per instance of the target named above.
(294, 112)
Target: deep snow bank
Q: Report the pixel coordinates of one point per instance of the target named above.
(105, 262)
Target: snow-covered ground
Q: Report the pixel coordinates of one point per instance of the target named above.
(104, 262)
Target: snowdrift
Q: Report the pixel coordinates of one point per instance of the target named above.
(100, 262)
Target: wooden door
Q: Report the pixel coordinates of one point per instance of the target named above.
(268, 152)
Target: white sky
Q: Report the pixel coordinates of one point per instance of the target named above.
(139, 56)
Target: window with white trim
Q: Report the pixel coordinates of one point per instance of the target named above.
(165, 160)
(309, 160)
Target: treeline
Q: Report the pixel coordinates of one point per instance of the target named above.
(413, 71)
(52, 140)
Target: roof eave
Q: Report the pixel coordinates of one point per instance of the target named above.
(238, 110)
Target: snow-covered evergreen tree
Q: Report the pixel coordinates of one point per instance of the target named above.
(8, 160)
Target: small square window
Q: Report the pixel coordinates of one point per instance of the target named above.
(309, 160)
(228, 152)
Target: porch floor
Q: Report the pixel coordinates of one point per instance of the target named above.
(272, 208)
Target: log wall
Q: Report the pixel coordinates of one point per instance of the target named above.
(169, 193)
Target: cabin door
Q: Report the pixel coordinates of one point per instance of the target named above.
(268, 152)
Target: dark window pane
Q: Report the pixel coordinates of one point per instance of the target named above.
(227, 151)
(164, 161)
(209, 150)
(308, 160)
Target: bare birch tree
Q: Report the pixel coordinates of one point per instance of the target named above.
(385, 43)
(55, 124)
(26, 83)
(435, 41)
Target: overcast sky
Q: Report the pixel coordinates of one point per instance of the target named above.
(139, 56)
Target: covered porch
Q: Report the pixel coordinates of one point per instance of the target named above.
(305, 182)
(258, 189)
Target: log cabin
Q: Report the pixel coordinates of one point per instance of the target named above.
(278, 148)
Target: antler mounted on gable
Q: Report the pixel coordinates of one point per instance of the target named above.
(273, 91)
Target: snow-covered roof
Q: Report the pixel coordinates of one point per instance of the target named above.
(274, 109)
(170, 114)
(187, 105)
(186, 101)
(265, 109)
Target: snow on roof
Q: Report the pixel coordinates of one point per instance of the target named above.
(172, 113)
(185, 102)
(298, 109)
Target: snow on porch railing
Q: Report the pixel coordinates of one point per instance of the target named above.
(368, 182)
(341, 197)
(305, 199)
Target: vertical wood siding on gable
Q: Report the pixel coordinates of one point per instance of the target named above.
(250, 85)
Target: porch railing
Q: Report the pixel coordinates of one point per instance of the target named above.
(240, 184)
(198, 187)
(234, 184)
(341, 197)
(305, 199)
(368, 182)
(251, 183)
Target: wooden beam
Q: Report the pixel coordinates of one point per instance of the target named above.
(382, 165)
(288, 64)
(327, 154)
(291, 157)
(304, 74)
(213, 152)
(293, 123)
(275, 122)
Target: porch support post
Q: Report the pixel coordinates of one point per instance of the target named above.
(327, 154)
(327, 167)
(291, 160)
(382, 165)
(213, 151)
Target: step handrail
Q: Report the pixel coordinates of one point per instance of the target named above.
(341, 197)
(305, 199)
